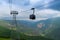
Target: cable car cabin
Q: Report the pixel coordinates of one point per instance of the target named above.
(33, 17)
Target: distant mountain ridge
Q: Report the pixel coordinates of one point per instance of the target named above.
(50, 27)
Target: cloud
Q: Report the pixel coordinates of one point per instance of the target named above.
(40, 14)
(47, 13)
(5, 10)
(55, 5)
(40, 3)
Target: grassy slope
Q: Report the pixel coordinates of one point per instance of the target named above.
(5, 34)
(54, 30)
(34, 38)
(5, 39)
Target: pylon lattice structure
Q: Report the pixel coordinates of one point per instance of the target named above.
(15, 31)
(15, 34)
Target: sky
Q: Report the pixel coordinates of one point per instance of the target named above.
(44, 9)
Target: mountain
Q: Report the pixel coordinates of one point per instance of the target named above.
(27, 27)
(5, 33)
(55, 5)
(31, 27)
(48, 28)
(54, 29)
(37, 27)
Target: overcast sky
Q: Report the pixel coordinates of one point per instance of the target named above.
(44, 8)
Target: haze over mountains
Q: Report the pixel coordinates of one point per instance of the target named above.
(27, 31)
(48, 28)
